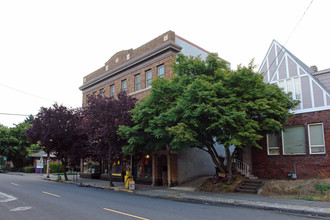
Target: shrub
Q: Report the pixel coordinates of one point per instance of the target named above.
(53, 168)
(322, 187)
(29, 169)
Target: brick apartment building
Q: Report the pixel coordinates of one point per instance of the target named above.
(303, 148)
(132, 71)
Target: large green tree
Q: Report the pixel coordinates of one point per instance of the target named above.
(207, 103)
(14, 144)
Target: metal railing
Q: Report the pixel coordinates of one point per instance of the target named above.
(241, 167)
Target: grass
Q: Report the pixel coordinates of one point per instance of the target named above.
(68, 173)
(308, 198)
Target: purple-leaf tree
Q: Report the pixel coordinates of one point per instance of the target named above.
(102, 117)
(56, 129)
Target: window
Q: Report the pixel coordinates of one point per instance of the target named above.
(294, 141)
(316, 138)
(112, 91)
(94, 94)
(297, 88)
(273, 147)
(106, 67)
(281, 84)
(124, 85)
(87, 99)
(289, 86)
(137, 82)
(161, 71)
(102, 93)
(148, 78)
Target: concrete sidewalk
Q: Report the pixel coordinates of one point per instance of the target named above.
(186, 193)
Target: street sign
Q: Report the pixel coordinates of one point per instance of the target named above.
(5, 158)
(40, 164)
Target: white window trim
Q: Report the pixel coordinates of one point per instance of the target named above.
(147, 86)
(137, 84)
(270, 148)
(162, 65)
(284, 146)
(112, 86)
(309, 140)
(122, 88)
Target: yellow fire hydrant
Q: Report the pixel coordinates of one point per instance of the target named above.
(128, 178)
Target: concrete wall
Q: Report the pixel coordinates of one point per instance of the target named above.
(195, 162)
(190, 50)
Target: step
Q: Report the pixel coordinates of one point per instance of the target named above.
(249, 186)
(247, 190)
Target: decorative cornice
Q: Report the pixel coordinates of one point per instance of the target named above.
(116, 76)
(137, 62)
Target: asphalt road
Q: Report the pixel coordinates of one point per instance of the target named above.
(28, 197)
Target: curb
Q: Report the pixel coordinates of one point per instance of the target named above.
(233, 203)
(241, 204)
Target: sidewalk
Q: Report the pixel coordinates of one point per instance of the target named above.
(186, 193)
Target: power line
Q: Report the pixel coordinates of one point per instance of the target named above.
(26, 93)
(294, 29)
(13, 114)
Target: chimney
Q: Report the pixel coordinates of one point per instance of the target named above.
(314, 68)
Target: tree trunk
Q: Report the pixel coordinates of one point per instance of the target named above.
(215, 158)
(64, 164)
(229, 161)
(110, 163)
(48, 159)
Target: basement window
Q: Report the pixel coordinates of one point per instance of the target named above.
(316, 138)
(273, 147)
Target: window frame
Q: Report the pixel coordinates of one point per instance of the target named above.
(148, 81)
(283, 145)
(137, 82)
(309, 139)
(124, 89)
(272, 148)
(112, 90)
(158, 67)
(102, 93)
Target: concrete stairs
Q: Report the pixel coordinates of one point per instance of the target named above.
(249, 186)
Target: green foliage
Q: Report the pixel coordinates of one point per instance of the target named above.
(14, 144)
(322, 187)
(307, 198)
(30, 169)
(205, 103)
(53, 168)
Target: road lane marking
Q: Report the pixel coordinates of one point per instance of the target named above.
(50, 194)
(20, 209)
(6, 198)
(122, 213)
(15, 184)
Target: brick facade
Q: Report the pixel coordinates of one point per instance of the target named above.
(307, 165)
(125, 65)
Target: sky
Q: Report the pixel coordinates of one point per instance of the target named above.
(47, 47)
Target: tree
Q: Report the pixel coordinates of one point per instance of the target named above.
(207, 103)
(56, 128)
(102, 118)
(14, 144)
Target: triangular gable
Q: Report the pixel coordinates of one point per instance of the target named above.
(281, 67)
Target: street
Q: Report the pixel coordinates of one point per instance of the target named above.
(27, 197)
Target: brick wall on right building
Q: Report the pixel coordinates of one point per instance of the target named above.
(308, 164)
